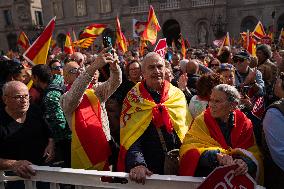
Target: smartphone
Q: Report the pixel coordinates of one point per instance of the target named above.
(107, 43)
(245, 90)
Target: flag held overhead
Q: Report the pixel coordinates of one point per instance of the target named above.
(37, 52)
(151, 31)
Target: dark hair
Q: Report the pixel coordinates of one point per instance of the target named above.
(128, 65)
(43, 72)
(206, 83)
(10, 68)
(266, 49)
(52, 62)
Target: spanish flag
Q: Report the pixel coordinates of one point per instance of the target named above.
(68, 49)
(151, 31)
(37, 52)
(84, 43)
(23, 41)
(205, 134)
(90, 148)
(183, 48)
(120, 38)
(259, 32)
(139, 109)
(93, 30)
(251, 47)
(226, 42)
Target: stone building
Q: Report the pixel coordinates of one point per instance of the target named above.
(17, 16)
(199, 21)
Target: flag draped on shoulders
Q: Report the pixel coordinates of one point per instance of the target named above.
(205, 134)
(139, 109)
(37, 52)
(23, 41)
(151, 31)
(93, 30)
(90, 148)
(68, 48)
(120, 38)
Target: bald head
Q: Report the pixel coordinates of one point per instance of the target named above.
(192, 66)
(150, 57)
(71, 71)
(78, 57)
(12, 87)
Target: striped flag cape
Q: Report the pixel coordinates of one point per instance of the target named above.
(84, 43)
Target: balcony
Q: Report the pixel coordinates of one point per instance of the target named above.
(170, 5)
(202, 3)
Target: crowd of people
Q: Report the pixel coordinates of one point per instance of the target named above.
(145, 114)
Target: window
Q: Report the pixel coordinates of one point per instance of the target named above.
(8, 17)
(38, 16)
(81, 7)
(105, 6)
(57, 9)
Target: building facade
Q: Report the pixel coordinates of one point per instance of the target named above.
(17, 16)
(199, 21)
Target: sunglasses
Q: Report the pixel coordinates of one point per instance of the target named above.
(75, 70)
(57, 67)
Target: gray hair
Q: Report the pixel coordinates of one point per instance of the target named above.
(182, 64)
(11, 84)
(231, 92)
(150, 55)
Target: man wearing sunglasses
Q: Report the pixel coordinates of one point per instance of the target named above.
(84, 108)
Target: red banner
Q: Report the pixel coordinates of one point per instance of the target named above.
(161, 47)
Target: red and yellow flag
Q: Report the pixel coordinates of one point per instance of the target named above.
(68, 49)
(120, 38)
(183, 48)
(259, 31)
(226, 42)
(151, 31)
(84, 43)
(23, 41)
(93, 30)
(141, 47)
(37, 52)
(90, 148)
(137, 114)
(251, 46)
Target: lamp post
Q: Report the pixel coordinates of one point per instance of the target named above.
(219, 27)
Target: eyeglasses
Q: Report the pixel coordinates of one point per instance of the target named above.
(75, 70)
(57, 67)
(20, 97)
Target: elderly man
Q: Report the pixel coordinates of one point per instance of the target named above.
(24, 137)
(84, 107)
(153, 111)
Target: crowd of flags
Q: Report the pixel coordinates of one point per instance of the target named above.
(36, 53)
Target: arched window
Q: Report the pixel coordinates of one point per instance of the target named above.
(248, 23)
(171, 31)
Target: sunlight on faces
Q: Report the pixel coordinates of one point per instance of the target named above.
(229, 76)
(219, 106)
(16, 97)
(70, 72)
(134, 71)
(153, 70)
(56, 68)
